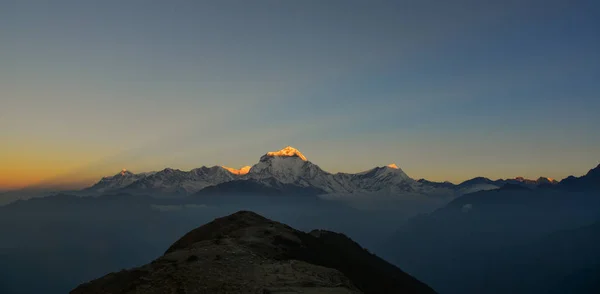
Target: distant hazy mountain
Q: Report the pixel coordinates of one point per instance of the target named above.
(247, 253)
(483, 184)
(389, 178)
(176, 182)
(116, 182)
(28, 193)
(447, 185)
(458, 248)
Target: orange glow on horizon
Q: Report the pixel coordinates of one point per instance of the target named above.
(42, 164)
(29, 162)
(28, 178)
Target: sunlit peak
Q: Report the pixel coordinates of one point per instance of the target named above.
(242, 171)
(288, 151)
(123, 171)
(393, 165)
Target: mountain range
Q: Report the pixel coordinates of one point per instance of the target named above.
(288, 168)
(510, 236)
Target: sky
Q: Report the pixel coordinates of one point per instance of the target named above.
(447, 90)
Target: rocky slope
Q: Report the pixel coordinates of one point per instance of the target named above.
(247, 253)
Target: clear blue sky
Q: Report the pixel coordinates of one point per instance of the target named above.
(448, 90)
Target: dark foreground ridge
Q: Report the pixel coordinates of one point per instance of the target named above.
(247, 253)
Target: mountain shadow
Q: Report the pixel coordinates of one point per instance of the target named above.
(268, 187)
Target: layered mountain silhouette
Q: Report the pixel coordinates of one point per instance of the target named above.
(247, 253)
(286, 170)
(590, 181)
(502, 235)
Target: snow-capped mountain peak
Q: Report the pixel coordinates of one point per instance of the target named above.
(118, 181)
(387, 171)
(286, 166)
(242, 171)
(289, 166)
(177, 182)
(288, 151)
(385, 178)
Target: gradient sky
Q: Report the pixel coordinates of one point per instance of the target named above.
(448, 90)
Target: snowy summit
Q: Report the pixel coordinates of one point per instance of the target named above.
(242, 171)
(288, 151)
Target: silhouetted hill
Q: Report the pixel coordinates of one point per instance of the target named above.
(590, 181)
(247, 253)
(478, 241)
